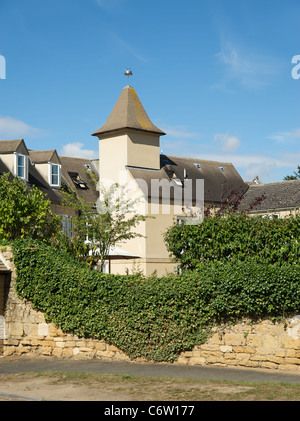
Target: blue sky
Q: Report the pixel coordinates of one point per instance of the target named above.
(215, 75)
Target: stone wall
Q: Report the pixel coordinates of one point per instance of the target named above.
(28, 334)
(2, 323)
(263, 345)
(257, 345)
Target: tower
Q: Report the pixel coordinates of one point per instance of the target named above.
(128, 138)
(129, 141)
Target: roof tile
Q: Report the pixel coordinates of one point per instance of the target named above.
(129, 113)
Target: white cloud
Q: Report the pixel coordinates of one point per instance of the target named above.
(229, 143)
(282, 137)
(12, 128)
(179, 132)
(245, 68)
(75, 150)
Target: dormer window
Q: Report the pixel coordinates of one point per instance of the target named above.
(54, 175)
(21, 166)
(79, 183)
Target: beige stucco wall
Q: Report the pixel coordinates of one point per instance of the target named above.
(9, 161)
(43, 169)
(150, 266)
(151, 247)
(143, 150)
(112, 158)
(137, 149)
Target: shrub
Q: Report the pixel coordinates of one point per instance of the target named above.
(24, 211)
(236, 238)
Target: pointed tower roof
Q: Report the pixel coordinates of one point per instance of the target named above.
(128, 113)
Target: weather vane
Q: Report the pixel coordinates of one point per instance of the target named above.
(128, 73)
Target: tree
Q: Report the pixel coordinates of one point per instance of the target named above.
(296, 175)
(24, 211)
(99, 228)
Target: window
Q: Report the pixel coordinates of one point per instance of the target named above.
(79, 183)
(21, 166)
(54, 175)
(67, 225)
(222, 169)
(198, 166)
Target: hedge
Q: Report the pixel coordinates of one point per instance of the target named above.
(236, 238)
(154, 318)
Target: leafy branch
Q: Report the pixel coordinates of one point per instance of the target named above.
(99, 228)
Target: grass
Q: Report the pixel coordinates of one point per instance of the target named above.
(138, 388)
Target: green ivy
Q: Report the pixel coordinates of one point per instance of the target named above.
(155, 318)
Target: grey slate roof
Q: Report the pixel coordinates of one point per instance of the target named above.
(40, 157)
(10, 146)
(220, 178)
(70, 167)
(280, 195)
(129, 113)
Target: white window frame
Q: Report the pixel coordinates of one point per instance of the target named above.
(17, 166)
(50, 174)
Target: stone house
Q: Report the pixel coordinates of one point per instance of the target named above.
(170, 189)
(279, 199)
(49, 172)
